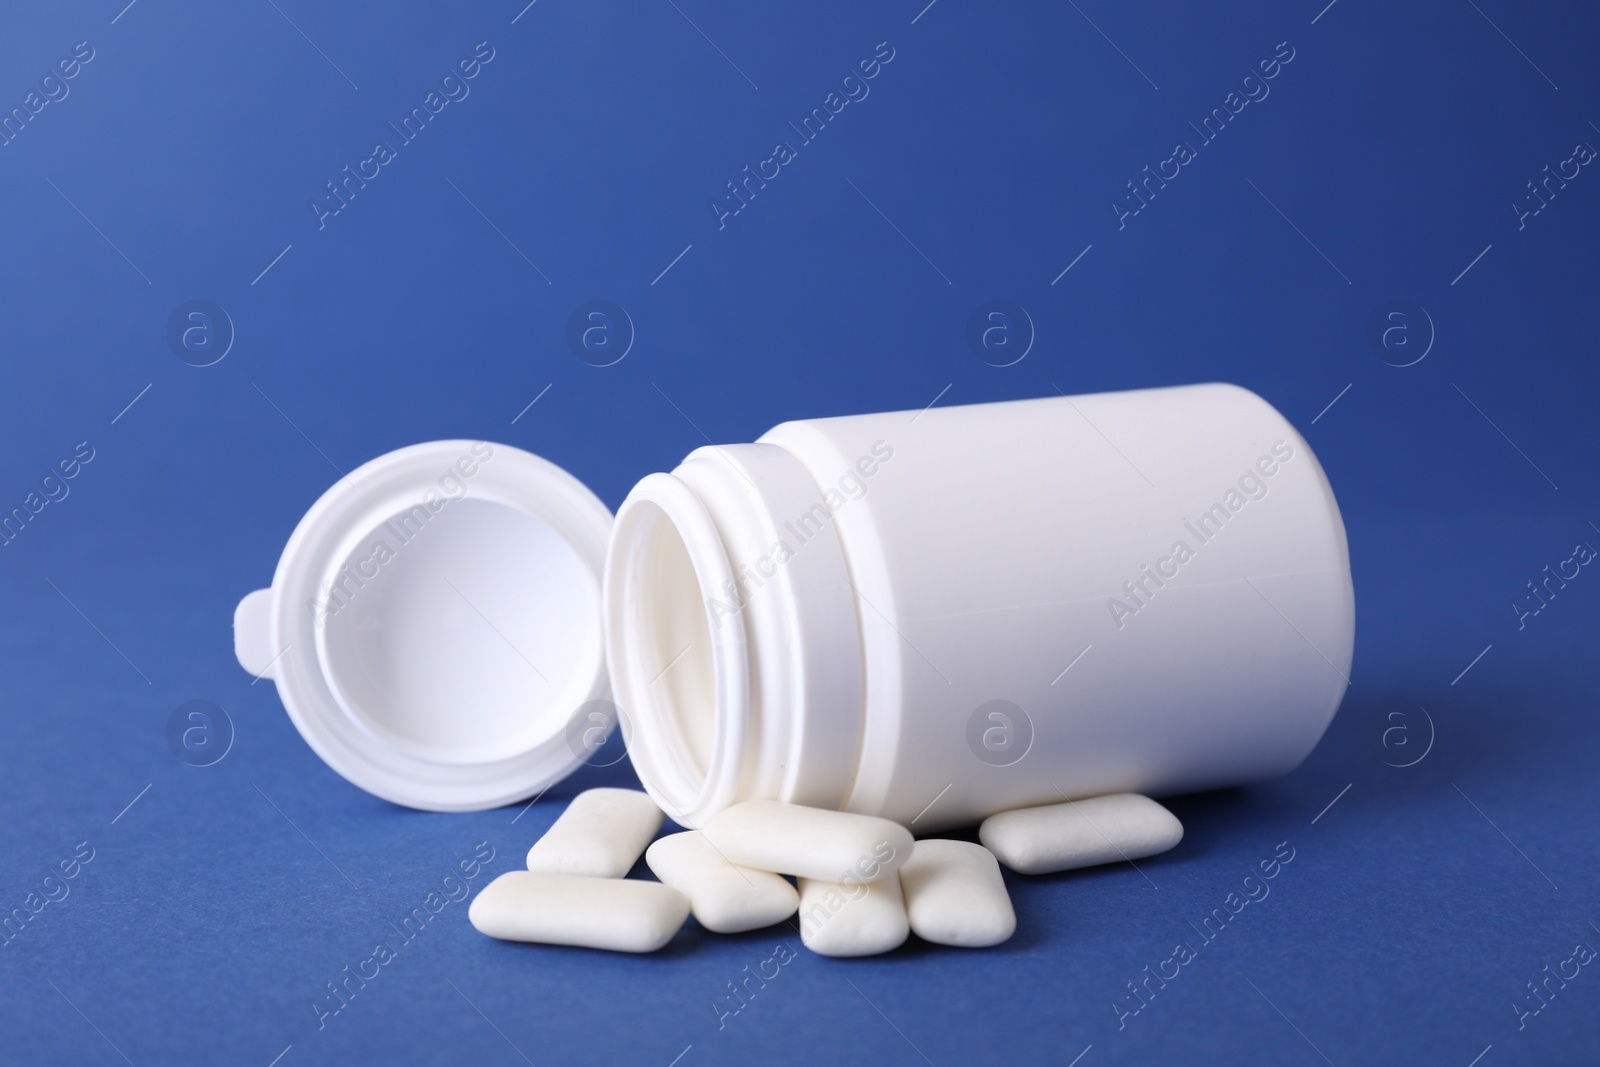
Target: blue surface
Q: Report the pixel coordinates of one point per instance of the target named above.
(181, 165)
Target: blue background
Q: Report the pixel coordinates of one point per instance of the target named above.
(983, 163)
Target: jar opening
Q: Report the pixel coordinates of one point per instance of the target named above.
(674, 642)
(682, 682)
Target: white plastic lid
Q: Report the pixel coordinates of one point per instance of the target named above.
(434, 625)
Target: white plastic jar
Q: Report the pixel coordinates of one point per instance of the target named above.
(938, 615)
(931, 616)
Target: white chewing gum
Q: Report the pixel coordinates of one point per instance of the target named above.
(726, 898)
(602, 834)
(830, 846)
(853, 918)
(568, 909)
(955, 895)
(1080, 833)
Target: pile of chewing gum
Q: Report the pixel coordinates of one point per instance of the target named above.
(862, 883)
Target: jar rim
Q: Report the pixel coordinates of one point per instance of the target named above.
(689, 787)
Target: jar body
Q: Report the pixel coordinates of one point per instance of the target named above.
(986, 607)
